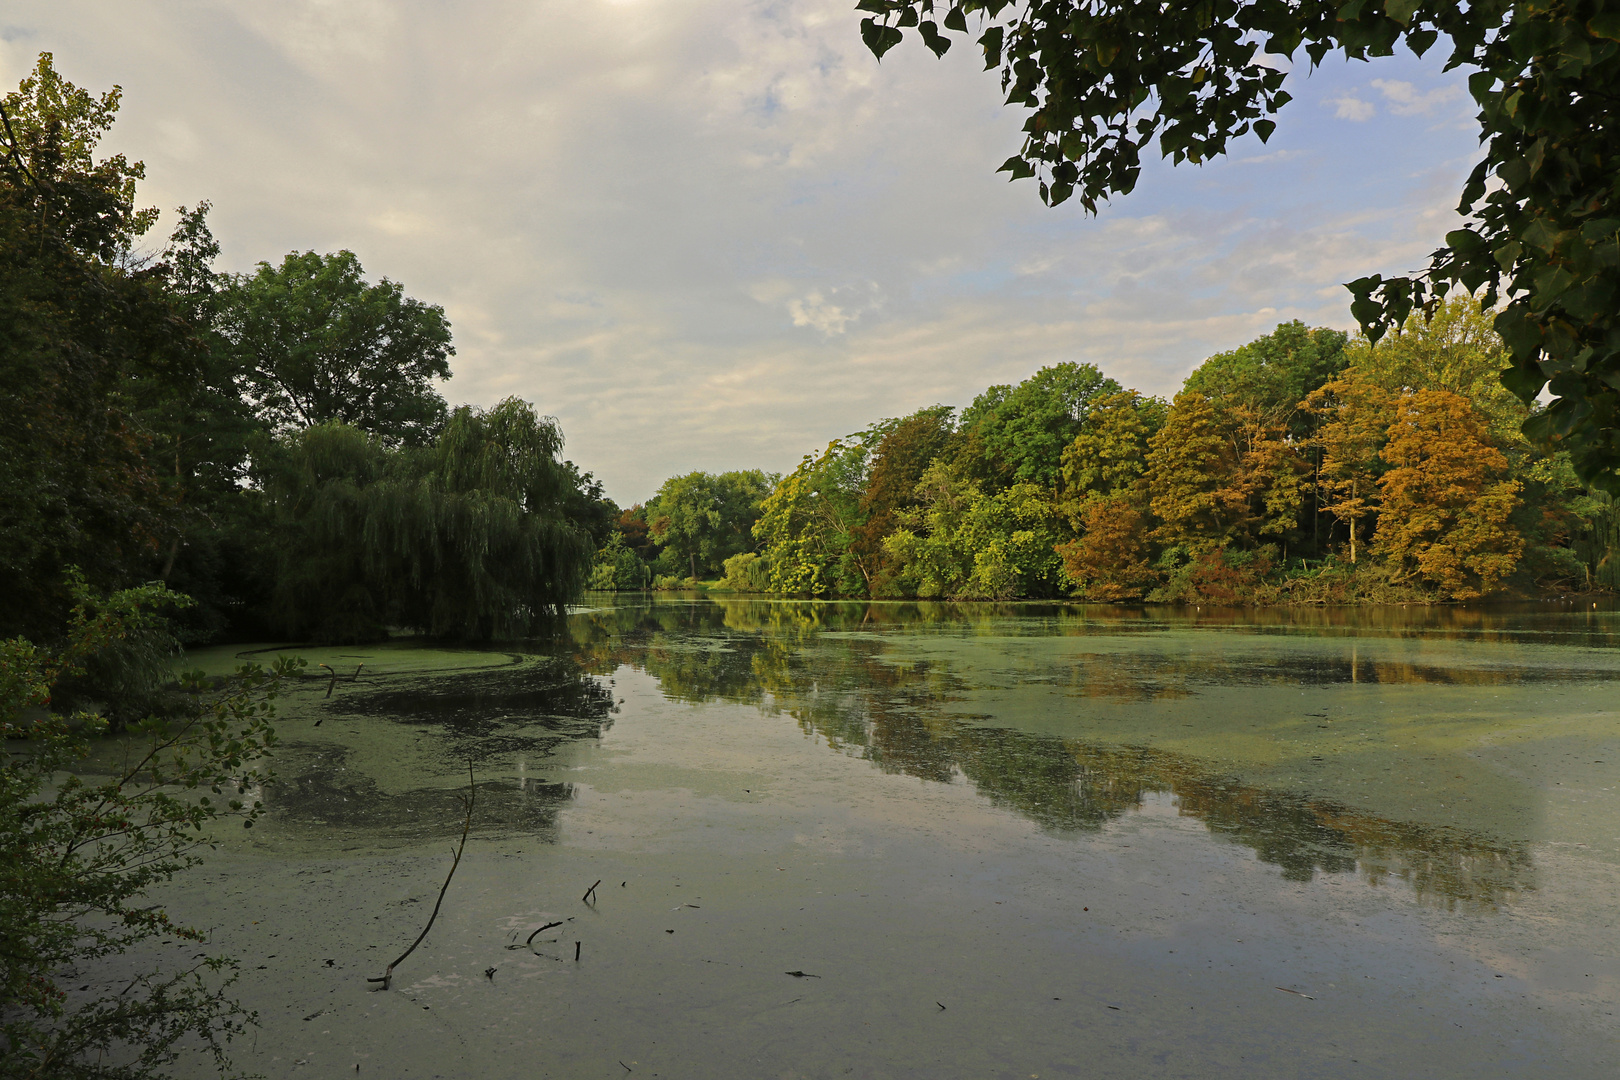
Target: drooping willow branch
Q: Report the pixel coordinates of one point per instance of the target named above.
(387, 979)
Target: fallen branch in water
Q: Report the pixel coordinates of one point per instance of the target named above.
(548, 926)
(387, 979)
(587, 897)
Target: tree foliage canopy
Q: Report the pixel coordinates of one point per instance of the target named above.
(1104, 81)
(316, 343)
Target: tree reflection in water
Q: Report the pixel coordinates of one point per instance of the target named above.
(802, 659)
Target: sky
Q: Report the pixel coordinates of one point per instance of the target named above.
(716, 234)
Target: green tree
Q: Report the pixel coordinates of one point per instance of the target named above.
(963, 544)
(1016, 434)
(810, 523)
(1103, 81)
(1454, 348)
(84, 324)
(1109, 454)
(1272, 375)
(705, 518)
(317, 343)
(472, 537)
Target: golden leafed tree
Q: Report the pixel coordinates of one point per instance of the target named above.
(1354, 414)
(1222, 475)
(1446, 506)
(1109, 560)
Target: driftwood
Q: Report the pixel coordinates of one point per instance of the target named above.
(466, 827)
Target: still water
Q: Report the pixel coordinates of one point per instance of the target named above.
(903, 840)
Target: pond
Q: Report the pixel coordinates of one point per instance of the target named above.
(912, 840)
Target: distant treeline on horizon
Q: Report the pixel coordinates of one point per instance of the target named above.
(1305, 466)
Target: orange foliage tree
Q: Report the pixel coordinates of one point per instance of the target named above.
(1446, 506)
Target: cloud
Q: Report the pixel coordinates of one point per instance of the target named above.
(1349, 107)
(1405, 99)
(714, 234)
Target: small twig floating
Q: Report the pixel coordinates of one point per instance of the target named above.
(356, 676)
(466, 827)
(548, 926)
(576, 952)
(333, 684)
(801, 975)
(589, 892)
(1296, 993)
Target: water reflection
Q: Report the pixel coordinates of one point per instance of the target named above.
(829, 666)
(490, 716)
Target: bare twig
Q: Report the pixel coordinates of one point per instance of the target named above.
(587, 897)
(548, 926)
(472, 793)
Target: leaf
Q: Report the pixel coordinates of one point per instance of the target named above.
(937, 43)
(1401, 10)
(880, 39)
(1525, 381)
(1606, 25)
(956, 20)
(1264, 128)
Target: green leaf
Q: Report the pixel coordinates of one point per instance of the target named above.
(1401, 10)
(937, 43)
(876, 7)
(1264, 128)
(956, 20)
(1606, 25)
(879, 38)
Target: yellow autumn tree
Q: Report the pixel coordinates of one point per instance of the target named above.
(1446, 504)
(1353, 421)
(1222, 475)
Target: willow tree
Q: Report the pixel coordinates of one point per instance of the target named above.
(476, 536)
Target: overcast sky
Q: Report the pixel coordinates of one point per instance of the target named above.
(715, 234)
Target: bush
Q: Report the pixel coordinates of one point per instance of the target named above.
(747, 572)
(78, 853)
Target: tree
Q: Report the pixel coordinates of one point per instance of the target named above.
(1109, 454)
(1221, 476)
(1353, 415)
(1020, 431)
(316, 343)
(1102, 81)
(1109, 561)
(1271, 375)
(85, 324)
(706, 518)
(891, 483)
(1453, 348)
(963, 544)
(472, 537)
(810, 522)
(1446, 506)
(79, 853)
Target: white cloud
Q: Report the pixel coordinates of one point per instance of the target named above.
(1405, 99)
(715, 233)
(1349, 107)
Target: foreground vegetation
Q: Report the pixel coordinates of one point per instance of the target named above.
(1305, 466)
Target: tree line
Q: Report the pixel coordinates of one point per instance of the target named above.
(1305, 466)
(270, 443)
